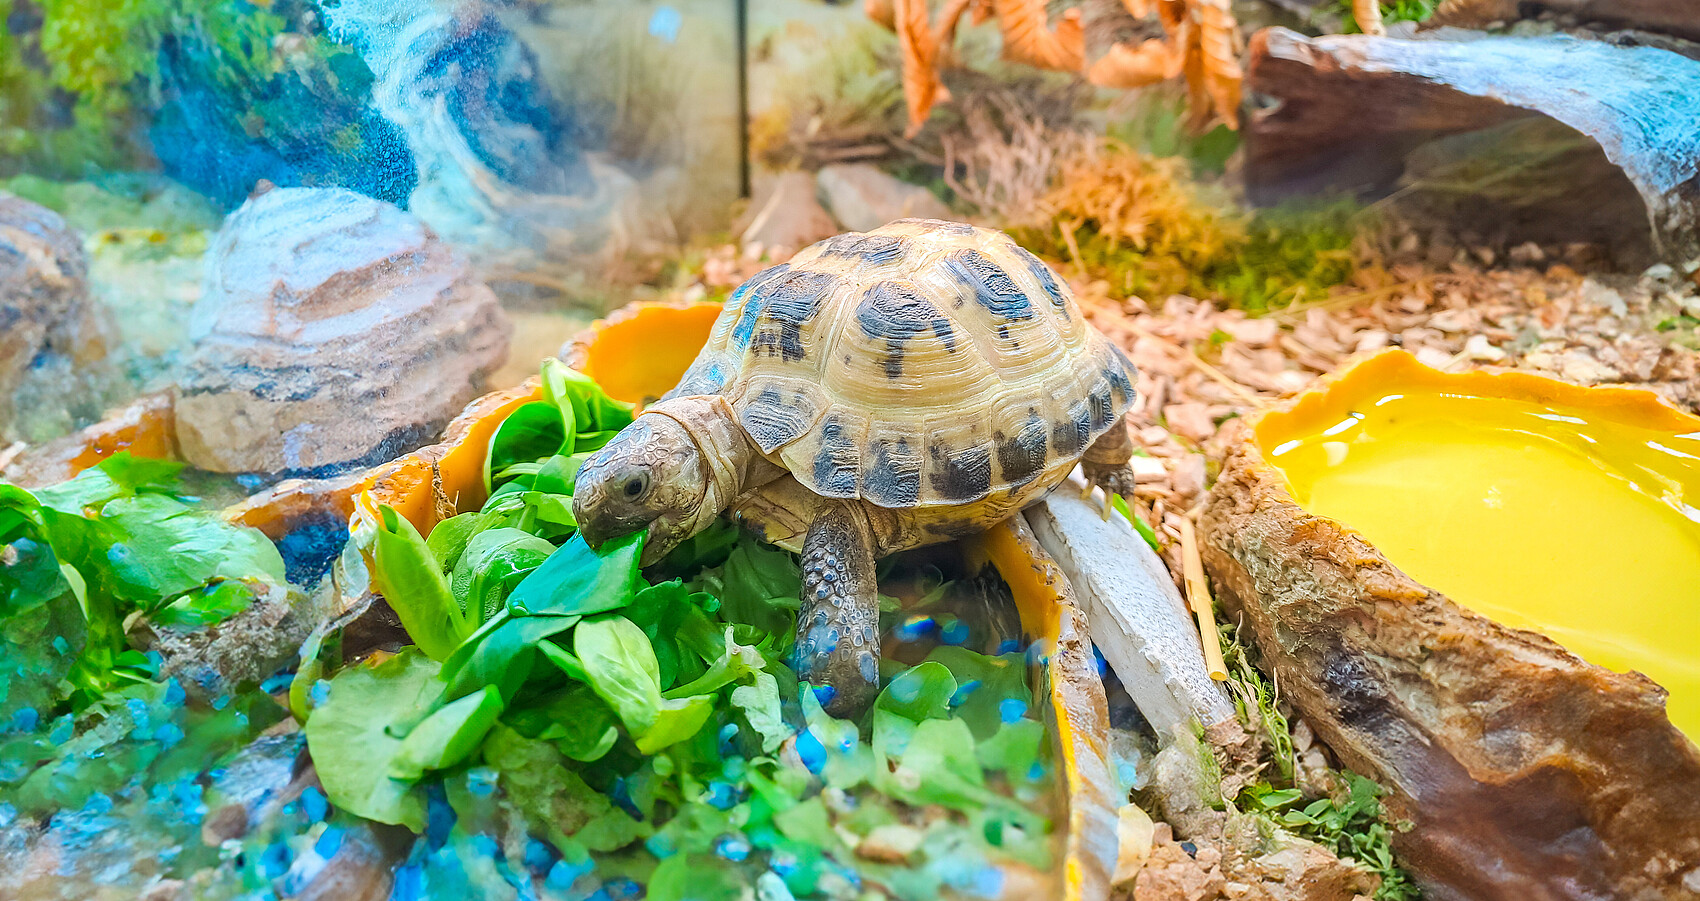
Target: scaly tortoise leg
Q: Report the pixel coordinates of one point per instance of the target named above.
(1106, 460)
(838, 639)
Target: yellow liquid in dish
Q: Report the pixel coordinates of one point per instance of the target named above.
(1573, 523)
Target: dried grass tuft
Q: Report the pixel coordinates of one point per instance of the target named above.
(1147, 229)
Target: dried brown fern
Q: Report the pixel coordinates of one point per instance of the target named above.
(1202, 43)
(1028, 38)
(1127, 67)
(920, 48)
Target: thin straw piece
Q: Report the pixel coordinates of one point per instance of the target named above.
(1198, 597)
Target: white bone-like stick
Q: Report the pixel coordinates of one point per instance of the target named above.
(1135, 614)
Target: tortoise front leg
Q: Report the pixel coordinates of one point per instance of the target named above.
(1106, 460)
(838, 639)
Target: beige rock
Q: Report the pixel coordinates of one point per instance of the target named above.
(48, 326)
(890, 843)
(862, 197)
(791, 219)
(334, 331)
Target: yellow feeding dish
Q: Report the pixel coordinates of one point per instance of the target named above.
(1574, 512)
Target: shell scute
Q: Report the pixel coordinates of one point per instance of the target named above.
(1021, 456)
(893, 476)
(779, 412)
(871, 249)
(896, 313)
(773, 319)
(837, 463)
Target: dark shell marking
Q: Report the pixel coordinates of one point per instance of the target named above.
(1117, 373)
(1069, 436)
(1047, 281)
(747, 301)
(773, 315)
(774, 420)
(837, 464)
(894, 312)
(894, 476)
(964, 475)
(875, 250)
(992, 287)
(1022, 457)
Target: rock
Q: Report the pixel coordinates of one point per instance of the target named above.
(334, 331)
(1136, 615)
(1480, 349)
(1351, 110)
(864, 198)
(891, 843)
(1525, 771)
(1171, 874)
(49, 332)
(792, 218)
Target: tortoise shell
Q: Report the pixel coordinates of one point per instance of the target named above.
(923, 363)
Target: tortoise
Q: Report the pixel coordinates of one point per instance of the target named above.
(880, 391)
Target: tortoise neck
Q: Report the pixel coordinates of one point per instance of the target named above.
(733, 463)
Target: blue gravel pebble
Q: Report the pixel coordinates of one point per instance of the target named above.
(956, 633)
(320, 693)
(274, 861)
(330, 842)
(481, 781)
(722, 795)
(810, 751)
(314, 804)
(1012, 709)
(661, 845)
(564, 874)
(538, 856)
(728, 733)
(623, 890)
(409, 883)
(168, 734)
(174, 693)
(25, 719)
(277, 683)
(732, 847)
(963, 691)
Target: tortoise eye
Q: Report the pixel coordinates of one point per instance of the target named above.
(636, 485)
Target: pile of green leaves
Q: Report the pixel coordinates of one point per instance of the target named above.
(1351, 822)
(655, 724)
(115, 544)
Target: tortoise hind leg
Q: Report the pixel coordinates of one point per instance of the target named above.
(838, 625)
(1106, 460)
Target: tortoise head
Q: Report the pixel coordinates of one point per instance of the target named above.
(651, 477)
